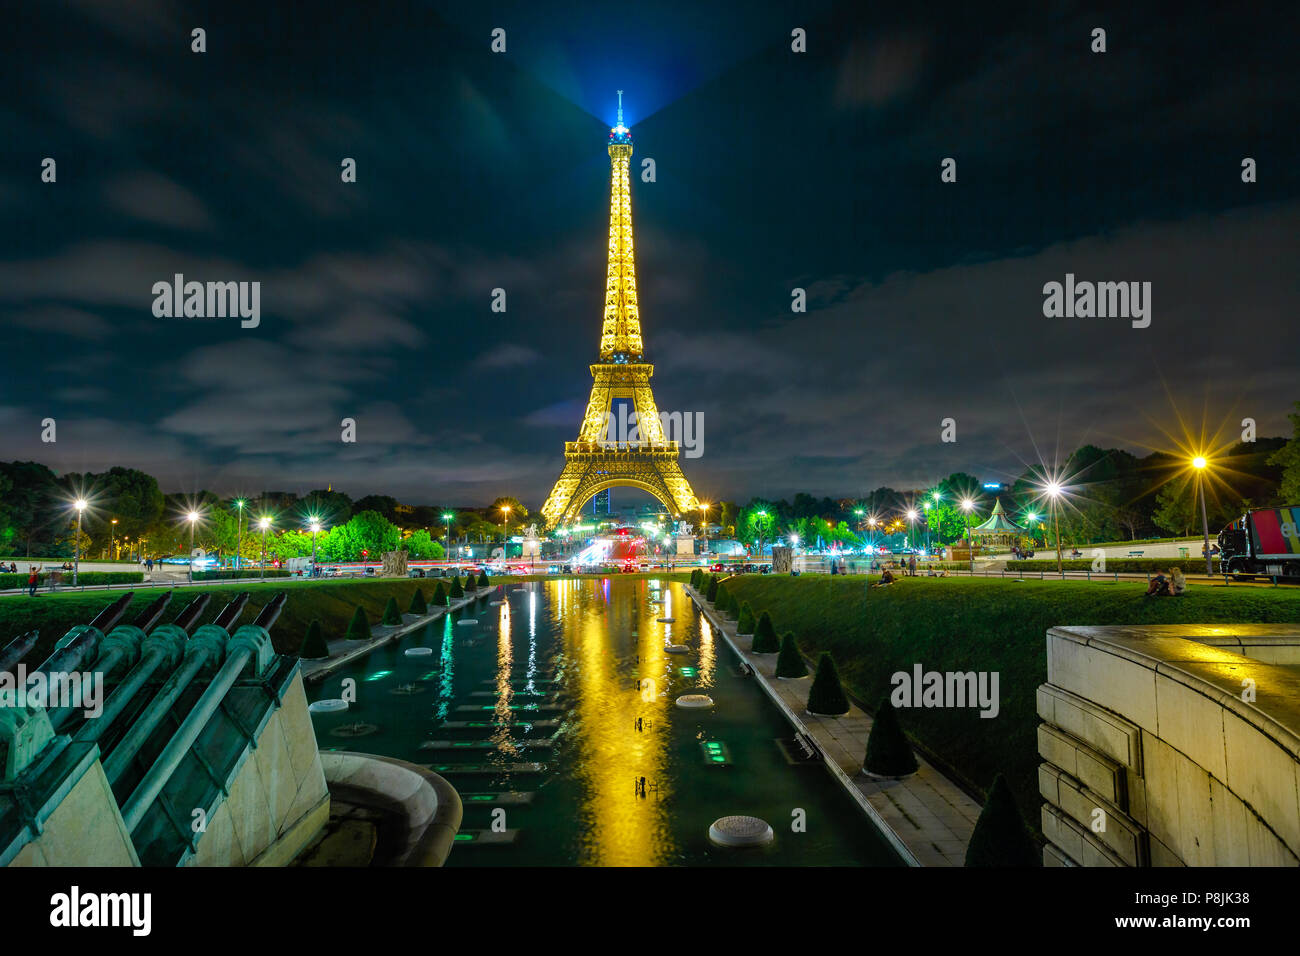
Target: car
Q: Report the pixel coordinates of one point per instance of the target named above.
(415, 572)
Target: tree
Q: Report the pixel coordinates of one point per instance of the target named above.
(764, 641)
(888, 752)
(1288, 458)
(328, 506)
(29, 509)
(358, 627)
(789, 663)
(711, 594)
(1000, 837)
(826, 697)
(392, 616)
(313, 644)
(440, 595)
(1176, 506)
(745, 620)
(365, 531)
(418, 605)
(421, 545)
(382, 505)
(457, 589)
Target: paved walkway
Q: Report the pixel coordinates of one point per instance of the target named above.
(927, 817)
(343, 652)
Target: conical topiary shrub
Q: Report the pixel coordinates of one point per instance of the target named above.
(789, 662)
(313, 644)
(888, 752)
(723, 603)
(418, 605)
(471, 582)
(392, 616)
(440, 595)
(711, 594)
(765, 641)
(1000, 837)
(696, 576)
(358, 627)
(826, 698)
(745, 622)
(483, 579)
(457, 589)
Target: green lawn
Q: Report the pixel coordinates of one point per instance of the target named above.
(965, 624)
(332, 601)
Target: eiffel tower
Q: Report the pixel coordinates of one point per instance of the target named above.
(595, 462)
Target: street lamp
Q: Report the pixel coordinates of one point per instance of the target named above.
(112, 534)
(911, 520)
(761, 516)
(871, 534)
(1199, 464)
(446, 551)
(505, 532)
(193, 519)
(239, 527)
(315, 527)
(80, 505)
(264, 523)
(966, 506)
(1053, 493)
(927, 530)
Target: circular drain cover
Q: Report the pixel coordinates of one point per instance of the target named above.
(418, 651)
(740, 831)
(329, 706)
(354, 730)
(694, 701)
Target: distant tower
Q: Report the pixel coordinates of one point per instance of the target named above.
(598, 460)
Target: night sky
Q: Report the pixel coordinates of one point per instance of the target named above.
(775, 170)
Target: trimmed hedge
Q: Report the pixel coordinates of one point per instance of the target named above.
(888, 752)
(392, 616)
(789, 663)
(765, 641)
(313, 644)
(711, 594)
(440, 595)
(19, 580)
(745, 622)
(483, 579)
(726, 604)
(471, 583)
(457, 589)
(1114, 564)
(696, 577)
(1000, 837)
(229, 575)
(827, 696)
(418, 604)
(359, 626)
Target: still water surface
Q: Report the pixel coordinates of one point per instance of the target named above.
(579, 666)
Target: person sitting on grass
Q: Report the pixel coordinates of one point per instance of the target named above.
(1159, 586)
(1177, 582)
(886, 577)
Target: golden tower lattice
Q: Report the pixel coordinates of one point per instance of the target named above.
(596, 461)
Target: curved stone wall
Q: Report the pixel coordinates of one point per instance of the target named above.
(1171, 745)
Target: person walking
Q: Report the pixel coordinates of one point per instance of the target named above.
(33, 579)
(911, 566)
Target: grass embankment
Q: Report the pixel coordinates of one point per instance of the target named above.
(972, 624)
(333, 602)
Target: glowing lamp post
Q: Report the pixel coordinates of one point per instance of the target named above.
(315, 527)
(264, 523)
(927, 530)
(1199, 464)
(112, 536)
(911, 520)
(505, 532)
(1054, 492)
(193, 519)
(967, 505)
(446, 551)
(762, 515)
(80, 505)
(239, 533)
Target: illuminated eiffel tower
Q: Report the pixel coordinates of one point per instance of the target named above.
(595, 462)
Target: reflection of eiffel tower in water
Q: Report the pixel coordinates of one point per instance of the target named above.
(594, 462)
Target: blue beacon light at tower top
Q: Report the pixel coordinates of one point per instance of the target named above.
(620, 133)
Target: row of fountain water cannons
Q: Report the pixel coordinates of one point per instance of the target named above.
(130, 656)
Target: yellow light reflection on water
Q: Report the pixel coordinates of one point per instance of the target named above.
(503, 716)
(619, 828)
